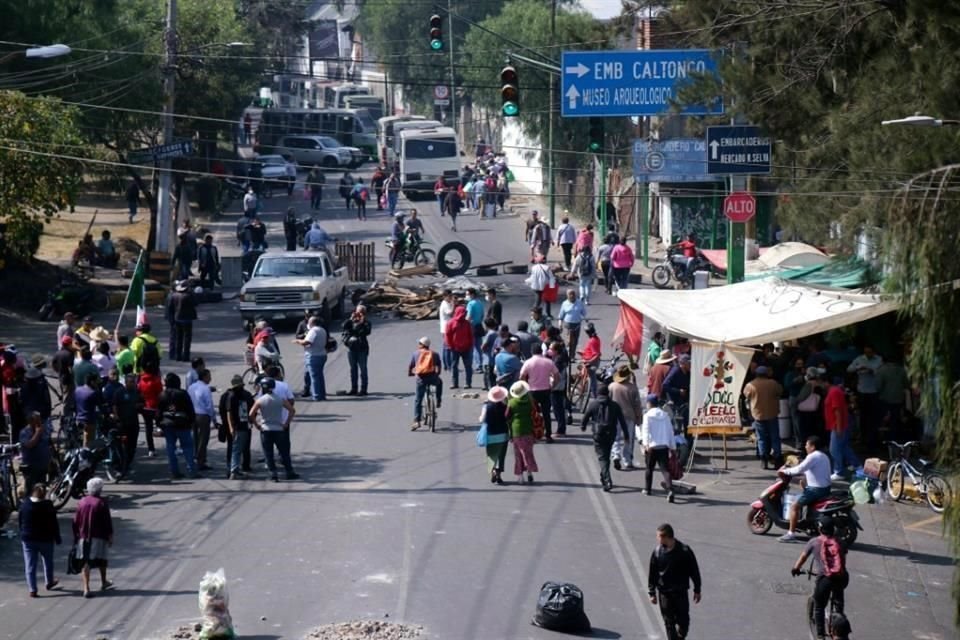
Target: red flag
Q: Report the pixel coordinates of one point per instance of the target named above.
(629, 330)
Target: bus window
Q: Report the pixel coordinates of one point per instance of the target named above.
(429, 148)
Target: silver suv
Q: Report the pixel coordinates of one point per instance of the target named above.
(312, 151)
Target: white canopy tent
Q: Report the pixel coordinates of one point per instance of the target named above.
(753, 312)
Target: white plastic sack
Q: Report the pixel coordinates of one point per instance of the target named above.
(214, 606)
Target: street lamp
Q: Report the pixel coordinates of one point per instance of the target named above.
(918, 120)
(47, 51)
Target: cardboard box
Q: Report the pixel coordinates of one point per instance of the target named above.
(875, 468)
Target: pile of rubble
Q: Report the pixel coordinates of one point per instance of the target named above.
(366, 630)
(419, 303)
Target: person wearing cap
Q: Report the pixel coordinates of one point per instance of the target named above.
(356, 333)
(540, 374)
(314, 345)
(234, 408)
(265, 352)
(181, 312)
(425, 366)
(623, 390)
(591, 355)
(520, 419)
(82, 335)
(65, 328)
(176, 416)
(607, 424)
(507, 364)
(445, 314)
(658, 441)
(127, 406)
(763, 395)
(494, 416)
(274, 427)
(35, 392)
(35, 451)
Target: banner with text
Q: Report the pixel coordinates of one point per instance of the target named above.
(717, 374)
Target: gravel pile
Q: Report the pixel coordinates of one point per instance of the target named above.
(365, 630)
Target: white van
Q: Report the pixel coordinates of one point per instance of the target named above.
(425, 155)
(385, 135)
(393, 150)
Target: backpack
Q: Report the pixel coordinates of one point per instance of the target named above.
(364, 194)
(831, 557)
(149, 359)
(425, 365)
(560, 608)
(587, 265)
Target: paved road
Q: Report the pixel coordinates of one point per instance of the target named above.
(386, 522)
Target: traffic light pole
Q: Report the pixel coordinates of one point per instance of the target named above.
(453, 92)
(603, 196)
(551, 182)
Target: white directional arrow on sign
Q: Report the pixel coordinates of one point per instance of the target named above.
(581, 69)
(572, 95)
(714, 150)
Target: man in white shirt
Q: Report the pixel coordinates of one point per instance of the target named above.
(446, 314)
(314, 345)
(657, 439)
(202, 399)
(816, 472)
(282, 390)
(868, 402)
(566, 236)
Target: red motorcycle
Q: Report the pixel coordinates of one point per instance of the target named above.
(768, 511)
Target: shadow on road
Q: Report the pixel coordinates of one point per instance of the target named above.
(919, 558)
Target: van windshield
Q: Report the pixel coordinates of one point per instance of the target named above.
(427, 148)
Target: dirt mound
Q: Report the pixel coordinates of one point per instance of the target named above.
(24, 285)
(356, 630)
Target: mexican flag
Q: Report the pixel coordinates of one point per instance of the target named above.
(136, 294)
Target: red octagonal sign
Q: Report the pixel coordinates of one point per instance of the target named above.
(739, 206)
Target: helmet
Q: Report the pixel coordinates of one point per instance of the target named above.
(398, 215)
(268, 384)
(826, 525)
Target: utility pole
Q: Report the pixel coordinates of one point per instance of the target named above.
(453, 91)
(553, 100)
(164, 193)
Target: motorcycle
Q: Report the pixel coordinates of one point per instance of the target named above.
(80, 464)
(413, 251)
(78, 298)
(231, 189)
(767, 511)
(674, 267)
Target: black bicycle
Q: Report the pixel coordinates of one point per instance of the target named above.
(8, 481)
(831, 609)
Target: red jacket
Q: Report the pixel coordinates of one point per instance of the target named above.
(150, 387)
(459, 334)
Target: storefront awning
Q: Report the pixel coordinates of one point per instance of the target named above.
(753, 312)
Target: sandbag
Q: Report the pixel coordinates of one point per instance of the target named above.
(560, 608)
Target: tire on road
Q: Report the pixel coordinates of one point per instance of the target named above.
(453, 259)
(486, 271)
(515, 269)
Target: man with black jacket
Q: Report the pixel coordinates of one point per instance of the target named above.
(176, 417)
(181, 312)
(355, 333)
(604, 416)
(672, 566)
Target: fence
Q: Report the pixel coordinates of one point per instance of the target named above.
(359, 258)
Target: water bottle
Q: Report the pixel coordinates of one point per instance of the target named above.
(879, 495)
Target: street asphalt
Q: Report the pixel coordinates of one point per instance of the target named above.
(405, 526)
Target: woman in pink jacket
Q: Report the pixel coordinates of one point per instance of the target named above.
(621, 261)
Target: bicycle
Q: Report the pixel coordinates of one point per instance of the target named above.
(430, 408)
(8, 481)
(929, 483)
(252, 372)
(828, 612)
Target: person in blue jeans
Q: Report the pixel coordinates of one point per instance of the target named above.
(39, 531)
(425, 366)
(274, 429)
(314, 345)
(837, 416)
(763, 393)
(475, 314)
(177, 417)
(355, 331)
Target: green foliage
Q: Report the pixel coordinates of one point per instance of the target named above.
(35, 185)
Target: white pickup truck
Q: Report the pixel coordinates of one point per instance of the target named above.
(283, 285)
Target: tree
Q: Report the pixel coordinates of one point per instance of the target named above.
(35, 181)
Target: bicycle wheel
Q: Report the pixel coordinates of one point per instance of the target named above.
(60, 493)
(113, 465)
(431, 412)
(249, 376)
(577, 391)
(811, 618)
(425, 256)
(895, 481)
(939, 493)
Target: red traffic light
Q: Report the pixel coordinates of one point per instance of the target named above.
(509, 76)
(436, 22)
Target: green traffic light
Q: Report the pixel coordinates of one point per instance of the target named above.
(436, 45)
(511, 109)
(595, 146)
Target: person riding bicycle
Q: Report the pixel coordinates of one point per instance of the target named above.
(265, 350)
(398, 236)
(829, 564)
(425, 365)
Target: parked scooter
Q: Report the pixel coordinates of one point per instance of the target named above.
(78, 298)
(768, 511)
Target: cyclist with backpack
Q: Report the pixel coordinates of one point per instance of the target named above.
(425, 365)
(585, 267)
(829, 564)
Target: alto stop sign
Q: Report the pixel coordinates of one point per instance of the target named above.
(739, 206)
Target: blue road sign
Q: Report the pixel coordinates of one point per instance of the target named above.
(738, 149)
(161, 152)
(633, 83)
(677, 160)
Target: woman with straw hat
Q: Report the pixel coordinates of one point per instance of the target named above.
(520, 416)
(494, 415)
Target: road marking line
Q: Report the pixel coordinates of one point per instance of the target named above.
(405, 564)
(639, 601)
(924, 522)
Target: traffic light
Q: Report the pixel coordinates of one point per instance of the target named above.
(510, 92)
(436, 32)
(596, 135)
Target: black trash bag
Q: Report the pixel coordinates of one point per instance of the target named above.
(560, 608)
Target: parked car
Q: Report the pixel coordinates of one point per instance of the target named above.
(278, 171)
(313, 151)
(282, 285)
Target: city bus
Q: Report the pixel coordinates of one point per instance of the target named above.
(350, 127)
(373, 104)
(335, 97)
(393, 150)
(424, 156)
(385, 133)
